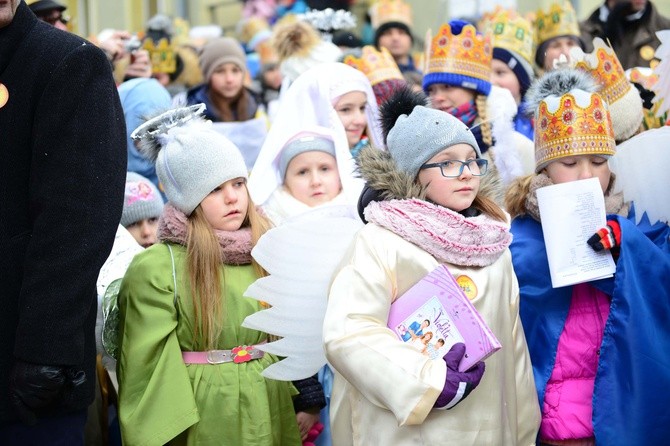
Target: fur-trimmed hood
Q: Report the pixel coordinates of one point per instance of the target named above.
(381, 173)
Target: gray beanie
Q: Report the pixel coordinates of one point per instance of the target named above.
(192, 159)
(419, 136)
(302, 144)
(141, 201)
(219, 51)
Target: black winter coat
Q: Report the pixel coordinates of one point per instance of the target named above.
(62, 174)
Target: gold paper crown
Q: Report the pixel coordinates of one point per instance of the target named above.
(572, 129)
(646, 78)
(163, 58)
(378, 66)
(385, 11)
(509, 31)
(560, 20)
(604, 66)
(466, 53)
(181, 30)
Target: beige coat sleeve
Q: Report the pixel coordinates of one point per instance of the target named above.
(391, 374)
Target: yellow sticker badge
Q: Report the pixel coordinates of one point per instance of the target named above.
(4, 95)
(647, 52)
(468, 286)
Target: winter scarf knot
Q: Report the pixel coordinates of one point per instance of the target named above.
(235, 245)
(447, 235)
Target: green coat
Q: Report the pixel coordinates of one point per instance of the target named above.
(161, 399)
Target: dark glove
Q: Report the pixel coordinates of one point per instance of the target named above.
(608, 237)
(458, 385)
(368, 195)
(34, 388)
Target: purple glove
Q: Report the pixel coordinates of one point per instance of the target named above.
(458, 385)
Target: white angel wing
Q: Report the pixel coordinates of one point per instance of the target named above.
(300, 256)
(641, 165)
(662, 87)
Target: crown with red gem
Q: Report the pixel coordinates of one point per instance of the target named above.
(462, 59)
(560, 20)
(604, 66)
(385, 11)
(576, 123)
(378, 66)
(624, 101)
(509, 31)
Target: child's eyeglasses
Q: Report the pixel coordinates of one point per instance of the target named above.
(454, 168)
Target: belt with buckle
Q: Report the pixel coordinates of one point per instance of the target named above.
(240, 354)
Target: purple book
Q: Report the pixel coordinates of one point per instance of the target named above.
(435, 314)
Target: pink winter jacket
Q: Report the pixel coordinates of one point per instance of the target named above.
(568, 400)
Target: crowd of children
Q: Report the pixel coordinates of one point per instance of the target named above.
(443, 171)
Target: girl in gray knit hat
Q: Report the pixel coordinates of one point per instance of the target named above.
(428, 211)
(189, 373)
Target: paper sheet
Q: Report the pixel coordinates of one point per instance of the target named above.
(571, 213)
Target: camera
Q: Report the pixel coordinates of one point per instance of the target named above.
(132, 44)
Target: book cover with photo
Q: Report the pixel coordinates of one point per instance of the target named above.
(435, 314)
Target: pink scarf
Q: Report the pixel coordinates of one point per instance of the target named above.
(235, 245)
(447, 235)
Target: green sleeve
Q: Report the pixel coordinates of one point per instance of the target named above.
(156, 400)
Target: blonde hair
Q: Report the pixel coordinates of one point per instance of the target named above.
(517, 192)
(203, 259)
(482, 113)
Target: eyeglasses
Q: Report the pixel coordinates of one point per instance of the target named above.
(454, 168)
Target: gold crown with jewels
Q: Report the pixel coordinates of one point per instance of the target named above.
(509, 31)
(467, 53)
(576, 123)
(560, 20)
(384, 11)
(604, 66)
(163, 58)
(378, 66)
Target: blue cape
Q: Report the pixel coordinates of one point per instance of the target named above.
(632, 386)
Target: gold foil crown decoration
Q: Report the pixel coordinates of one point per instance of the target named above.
(163, 58)
(378, 66)
(385, 11)
(604, 66)
(560, 20)
(466, 53)
(577, 123)
(509, 31)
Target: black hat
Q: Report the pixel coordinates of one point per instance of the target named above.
(46, 5)
(388, 25)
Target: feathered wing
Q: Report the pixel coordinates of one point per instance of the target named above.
(300, 257)
(662, 87)
(641, 165)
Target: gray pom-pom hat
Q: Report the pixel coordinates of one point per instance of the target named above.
(192, 159)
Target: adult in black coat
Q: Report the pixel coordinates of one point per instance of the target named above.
(62, 175)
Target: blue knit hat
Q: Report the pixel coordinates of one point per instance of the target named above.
(521, 68)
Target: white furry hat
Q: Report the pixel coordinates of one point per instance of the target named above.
(191, 158)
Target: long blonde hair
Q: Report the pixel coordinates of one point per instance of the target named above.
(482, 114)
(203, 258)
